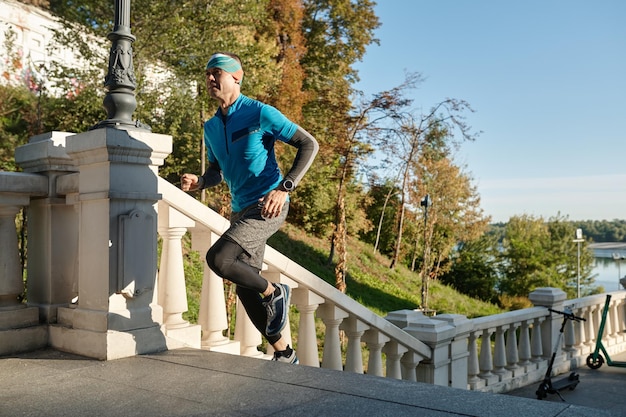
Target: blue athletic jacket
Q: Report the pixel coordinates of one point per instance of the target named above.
(242, 142)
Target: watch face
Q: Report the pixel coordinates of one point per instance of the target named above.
(288, 185)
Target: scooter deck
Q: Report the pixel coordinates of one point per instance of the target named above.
(568, 382)
(548, 387)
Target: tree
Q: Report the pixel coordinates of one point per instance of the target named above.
(382, 212)
(363, 127)
(19, 105)
(454, 216)
(536, 253)
(474, 270)
(430, 134)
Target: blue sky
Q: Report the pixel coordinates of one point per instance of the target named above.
(547, 81)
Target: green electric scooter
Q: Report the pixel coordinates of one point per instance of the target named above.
(595, 360)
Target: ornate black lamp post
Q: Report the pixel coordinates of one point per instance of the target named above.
(119, 101)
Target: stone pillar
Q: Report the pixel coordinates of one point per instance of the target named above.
(459, 352)
(20, 329)
(550, 298)
(52, 275)
(438, 335)
(117, 235)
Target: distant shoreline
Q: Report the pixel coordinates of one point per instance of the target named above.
(608, 249)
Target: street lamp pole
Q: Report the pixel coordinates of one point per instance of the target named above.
(120, 81)
(426, 202)
(579, 239)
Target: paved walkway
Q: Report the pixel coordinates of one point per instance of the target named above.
(198, 383)
(603, 388)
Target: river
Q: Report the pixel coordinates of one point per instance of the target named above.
(607, 271)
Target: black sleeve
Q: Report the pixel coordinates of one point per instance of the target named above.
(307, 149)
(212, 176)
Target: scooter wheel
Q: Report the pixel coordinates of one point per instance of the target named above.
(595, 363)
(542, 391)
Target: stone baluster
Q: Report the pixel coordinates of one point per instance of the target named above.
(486, 358)
(354, 330)
(569, 337)
(307, 303)
(590, 334)
(473, 367)
(246, 334)
(212, 314)
(375, 342)
(596, 313)
(332, 316)
(172, 290)
(499, 355)
(579, 332)
(512, 352)
(394, 352)
(536, 342)
(524, 345)
(409, 362)
(621, 319)
(613, 318)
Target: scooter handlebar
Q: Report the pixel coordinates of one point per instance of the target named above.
(568, 314)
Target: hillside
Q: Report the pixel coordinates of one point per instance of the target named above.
(370, 281)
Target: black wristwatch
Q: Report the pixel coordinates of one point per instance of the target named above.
(288, 185)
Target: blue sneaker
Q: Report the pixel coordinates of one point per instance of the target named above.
(277, 306)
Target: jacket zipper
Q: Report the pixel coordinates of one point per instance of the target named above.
(225, 136)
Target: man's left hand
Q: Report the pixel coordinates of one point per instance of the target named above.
(273, 202)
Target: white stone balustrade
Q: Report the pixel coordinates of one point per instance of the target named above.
(495, 353)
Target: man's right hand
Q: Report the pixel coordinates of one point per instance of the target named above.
(189, 182)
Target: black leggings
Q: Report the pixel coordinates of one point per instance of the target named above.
(224, 259)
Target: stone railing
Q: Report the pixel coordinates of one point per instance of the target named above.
(521, 342)
(313, 297)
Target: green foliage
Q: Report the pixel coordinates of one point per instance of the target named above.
(474, 269)
(194, 267)
(382, 213)
(536, 253)
(370, 281)
(603, 230)
(18, 121)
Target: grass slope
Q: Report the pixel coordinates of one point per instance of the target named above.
(369, 279)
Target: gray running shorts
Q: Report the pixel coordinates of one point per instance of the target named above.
(250, 230)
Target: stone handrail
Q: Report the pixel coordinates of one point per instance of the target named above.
(179, 212)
